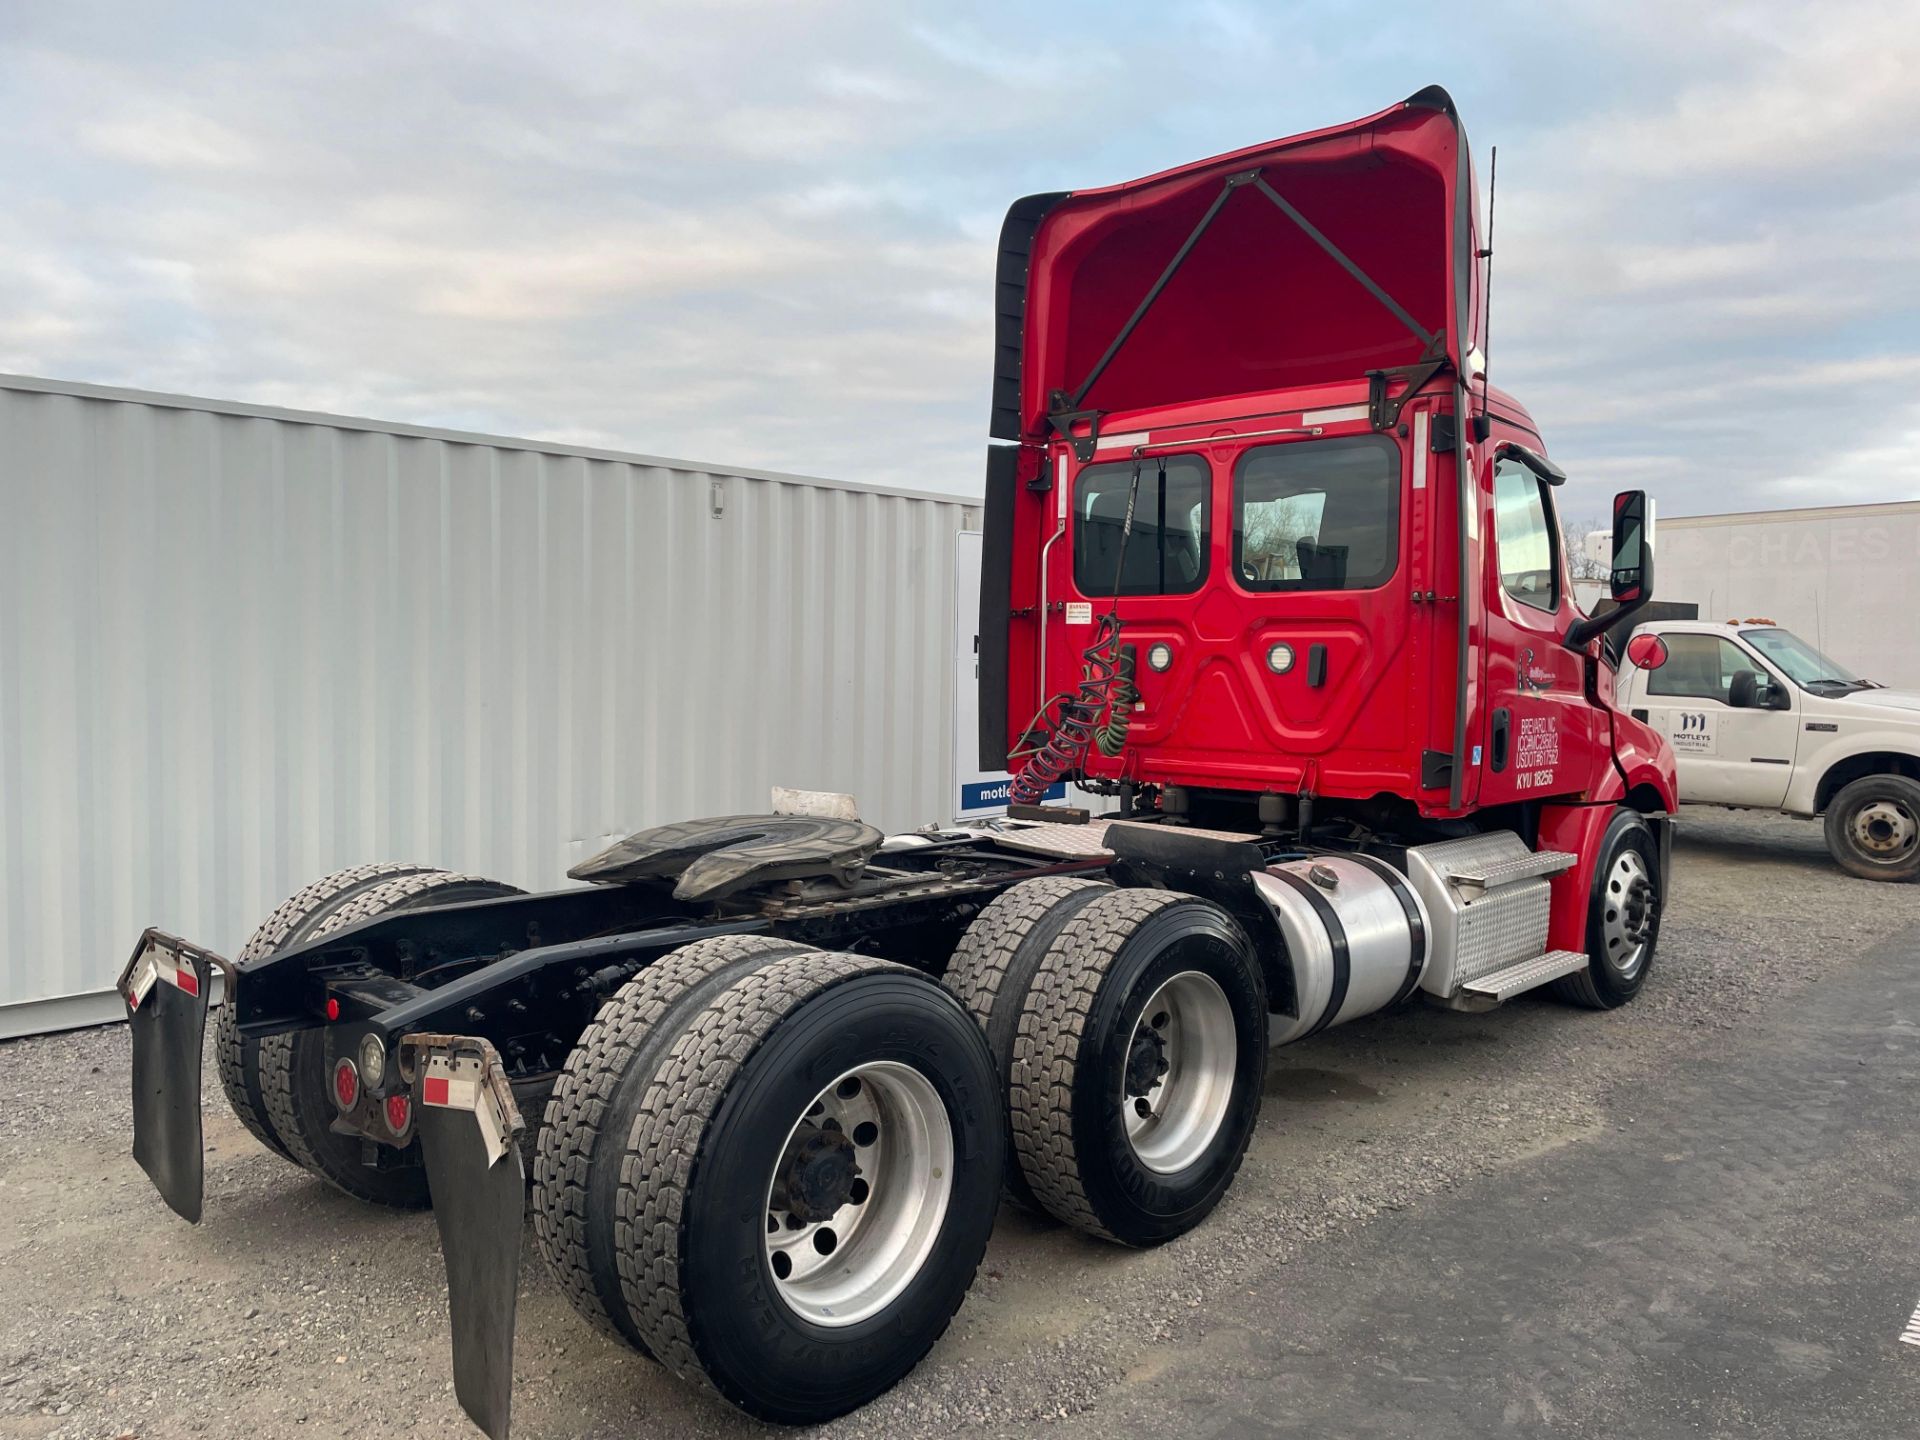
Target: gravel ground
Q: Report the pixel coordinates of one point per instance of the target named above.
(294, 1311)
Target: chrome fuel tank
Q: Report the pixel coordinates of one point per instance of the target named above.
(1357, 936)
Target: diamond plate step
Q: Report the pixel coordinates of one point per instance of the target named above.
(1473, 883)
(1527, 975)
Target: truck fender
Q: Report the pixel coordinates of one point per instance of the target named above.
(1881, 751)
(1642, 774)
(1579, 830)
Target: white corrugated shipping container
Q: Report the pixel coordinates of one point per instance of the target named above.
(241, 647)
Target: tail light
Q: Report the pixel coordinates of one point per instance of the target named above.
(399, 1114)
(346, 1084)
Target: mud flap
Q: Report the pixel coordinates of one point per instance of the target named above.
(165, 987)
(469, 1126)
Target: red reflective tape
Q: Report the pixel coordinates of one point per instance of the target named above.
(186, 978)
(434, 1091)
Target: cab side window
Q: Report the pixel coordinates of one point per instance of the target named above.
(1523, 527)
(1699, 667)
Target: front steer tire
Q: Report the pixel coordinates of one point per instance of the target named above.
(1078, 1045)
(718, 1124)
(1873, 828)
(1626, 896)
(293, 1069)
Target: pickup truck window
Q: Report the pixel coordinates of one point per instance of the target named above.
(1167, 552)
(1528, 571)
(1317, 514)
(1805, 666)
(1700, 667)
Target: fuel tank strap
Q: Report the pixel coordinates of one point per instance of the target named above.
(1336, 942)
(1416, 927)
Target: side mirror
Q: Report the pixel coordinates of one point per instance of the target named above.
(1745, 690)
(1632, 566)
(1631, 570)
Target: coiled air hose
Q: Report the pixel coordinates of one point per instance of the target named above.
(1106, 688)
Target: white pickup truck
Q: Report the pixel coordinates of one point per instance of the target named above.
(1759, 719)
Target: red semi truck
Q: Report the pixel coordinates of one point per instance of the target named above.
(1269, 564)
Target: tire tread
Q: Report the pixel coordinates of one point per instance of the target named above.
(1053, 1023)
(578, 1115)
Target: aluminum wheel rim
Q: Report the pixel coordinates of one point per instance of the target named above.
(1885, 831)
(1187, 1026)
(840, 1269)
(1627, 921)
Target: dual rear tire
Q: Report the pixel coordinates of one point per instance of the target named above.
(817, 1138)
(1129, 1030)
(278, 1087)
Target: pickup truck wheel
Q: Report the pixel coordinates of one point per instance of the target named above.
(1623, 917)
(576, 1167)
(238, 1058)
(807, 1184)
(1873, 828)
(1137, 1069)
(993, 967)
(295, 1076)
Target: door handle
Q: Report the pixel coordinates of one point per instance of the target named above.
(1502, 728)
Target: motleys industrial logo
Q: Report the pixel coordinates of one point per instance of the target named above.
(1693, 733)
(988, 793)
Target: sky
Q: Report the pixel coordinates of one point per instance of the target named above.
(761, 233)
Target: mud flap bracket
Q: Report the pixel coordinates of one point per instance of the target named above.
(469, 1126)
(166, 986)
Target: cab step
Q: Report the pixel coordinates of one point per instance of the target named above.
(1471, 883)
(1526, 975)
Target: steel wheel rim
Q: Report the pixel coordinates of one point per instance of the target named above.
(1885, 831)
(851, 1264)
(1631, 906)
(1173, 1115)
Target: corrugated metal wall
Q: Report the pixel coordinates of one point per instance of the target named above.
(240, 648)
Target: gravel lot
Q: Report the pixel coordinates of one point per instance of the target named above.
(294, 1311)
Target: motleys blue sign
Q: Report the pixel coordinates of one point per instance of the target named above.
(997, 792)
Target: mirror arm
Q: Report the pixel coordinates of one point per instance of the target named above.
(1587, 627)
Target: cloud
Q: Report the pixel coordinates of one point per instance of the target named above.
(763, 234)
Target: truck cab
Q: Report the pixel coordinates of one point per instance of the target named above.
(1248, 432)
(1759, 719)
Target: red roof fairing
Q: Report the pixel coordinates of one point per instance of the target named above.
(1257, 305)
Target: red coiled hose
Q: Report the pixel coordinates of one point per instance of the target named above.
(1066, 744)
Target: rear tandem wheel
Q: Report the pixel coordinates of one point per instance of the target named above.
(774, 1170)
(280, 1087)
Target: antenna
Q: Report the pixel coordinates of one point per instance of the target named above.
(1486, 299)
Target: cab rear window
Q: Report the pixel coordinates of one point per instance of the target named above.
(1165, 552)
(1317, 514)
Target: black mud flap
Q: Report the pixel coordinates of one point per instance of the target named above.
(165, 987)
(469, 1126)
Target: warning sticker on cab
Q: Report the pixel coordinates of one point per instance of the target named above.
(1079, 612)
(1693, 732)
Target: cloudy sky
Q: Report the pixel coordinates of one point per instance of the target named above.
(760, 232)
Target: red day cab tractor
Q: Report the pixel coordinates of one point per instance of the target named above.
(1269, 564)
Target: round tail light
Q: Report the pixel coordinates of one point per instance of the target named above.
(1649, 652)
(399, 1114)
(346, 1084)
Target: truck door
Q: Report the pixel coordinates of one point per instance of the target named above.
(1539, 735)
(1724, 755)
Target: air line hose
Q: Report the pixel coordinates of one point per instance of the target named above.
(1106, 688)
